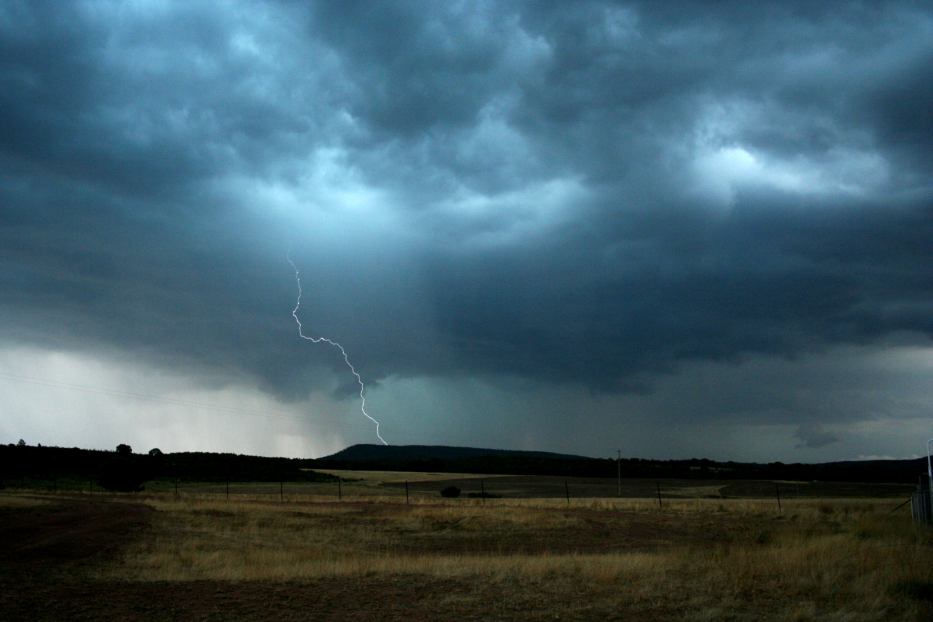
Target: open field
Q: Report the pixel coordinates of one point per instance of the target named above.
(203, 556)
(423, 486)
(400, 477)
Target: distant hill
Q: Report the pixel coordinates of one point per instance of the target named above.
(459, 460)
(439, 458)
(382, 453)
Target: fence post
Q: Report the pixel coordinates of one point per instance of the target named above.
(658, 485)
(567, 492)
(281, 492)
(227, 484)
(176, 487)
(482, 492)
(777, 492)
(339, 491)
(619, 463)
(406, 492)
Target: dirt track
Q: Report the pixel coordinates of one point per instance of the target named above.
(67, 532)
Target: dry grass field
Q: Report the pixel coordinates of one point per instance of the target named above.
(400, 477)
(252, 556)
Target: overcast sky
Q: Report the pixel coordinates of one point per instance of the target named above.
(675, 229)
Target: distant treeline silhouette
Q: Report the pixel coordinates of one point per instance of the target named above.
(123, 470)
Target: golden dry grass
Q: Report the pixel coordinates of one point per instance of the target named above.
(400, 477)
(17, 500)
(708, 559)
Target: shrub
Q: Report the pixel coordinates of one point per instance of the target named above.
(121, 478)
(918, 590)
(451, 492)
(125, 472)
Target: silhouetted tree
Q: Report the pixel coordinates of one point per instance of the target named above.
(124, 472)
(122, 477)
(156, 462)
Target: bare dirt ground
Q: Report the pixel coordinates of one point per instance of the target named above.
(363, 599)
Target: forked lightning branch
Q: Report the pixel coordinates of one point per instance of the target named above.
(346, 358)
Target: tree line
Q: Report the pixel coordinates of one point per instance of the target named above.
(127, 471)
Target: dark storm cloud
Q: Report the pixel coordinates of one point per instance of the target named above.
(812, 435)
(579, 192)
(752, 282)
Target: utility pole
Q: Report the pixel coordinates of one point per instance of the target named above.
(619, 463)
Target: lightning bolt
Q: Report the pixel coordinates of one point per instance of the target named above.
(346, 359)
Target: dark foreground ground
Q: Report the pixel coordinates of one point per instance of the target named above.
(816, 564)
(48, 551)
